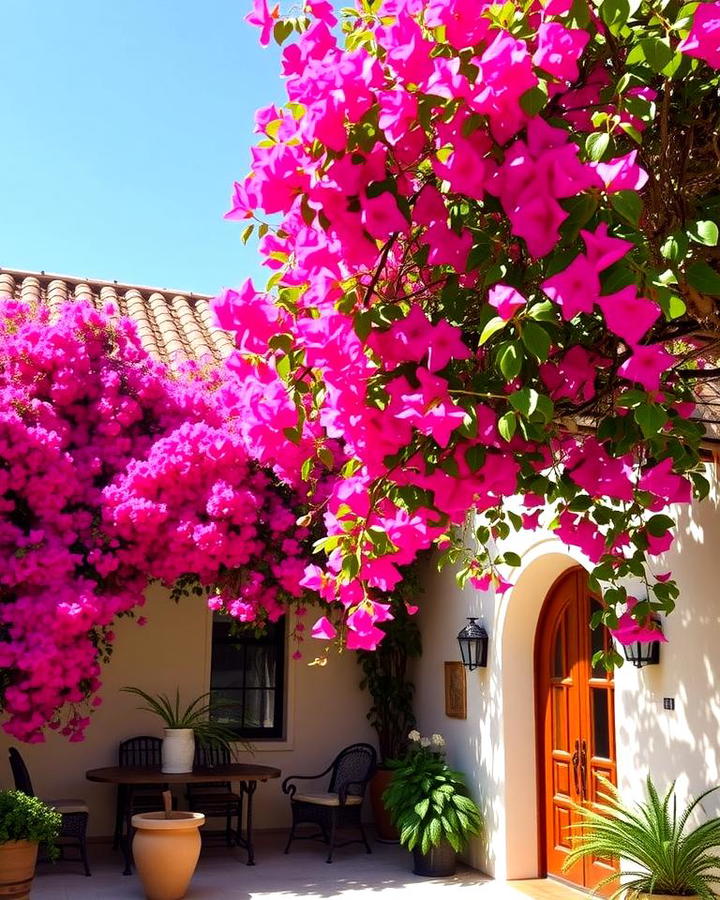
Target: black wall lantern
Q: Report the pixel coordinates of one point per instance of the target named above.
(473, 640)
(644, 653)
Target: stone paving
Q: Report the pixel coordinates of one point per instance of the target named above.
(302, 874)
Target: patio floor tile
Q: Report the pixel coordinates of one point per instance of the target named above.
(302, 874)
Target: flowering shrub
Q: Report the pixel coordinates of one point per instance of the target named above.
(427, 800)
(113, 472)
(491, 238)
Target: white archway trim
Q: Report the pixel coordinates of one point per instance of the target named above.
(543, 562)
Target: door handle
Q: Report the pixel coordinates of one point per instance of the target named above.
(575, 763)
(583, 770)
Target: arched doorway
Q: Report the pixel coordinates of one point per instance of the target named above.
(575, 722)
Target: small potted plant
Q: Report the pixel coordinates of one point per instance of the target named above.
(668, 858)
(25, 822)
(183, 726)
(430, 805)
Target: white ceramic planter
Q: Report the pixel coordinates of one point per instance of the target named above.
(178, 750)
(166, 852)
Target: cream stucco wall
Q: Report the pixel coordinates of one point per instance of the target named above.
(326, 711)
(495, 745)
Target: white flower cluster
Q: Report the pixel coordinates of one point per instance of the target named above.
(437, 741)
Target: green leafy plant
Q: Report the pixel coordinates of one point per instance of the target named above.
(670, 857)
(386, 680)
(25, 818)
(429, 801)
(198, 715)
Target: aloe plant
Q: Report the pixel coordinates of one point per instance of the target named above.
(196, 715)
(669, 857)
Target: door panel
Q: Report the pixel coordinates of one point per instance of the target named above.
(576, 724)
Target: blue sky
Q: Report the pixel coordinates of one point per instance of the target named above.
(124, 125)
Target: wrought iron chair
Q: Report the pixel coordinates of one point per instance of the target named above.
(75, 813)
(340, 804)
(141, 752)
(215, 799)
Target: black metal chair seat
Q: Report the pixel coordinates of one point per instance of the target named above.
(339, 805)
(74, 813)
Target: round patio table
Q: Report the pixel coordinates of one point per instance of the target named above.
(247, 776)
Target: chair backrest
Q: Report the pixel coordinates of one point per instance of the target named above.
(141, 752)
(356, 764)
(20, 773)
(210, 756)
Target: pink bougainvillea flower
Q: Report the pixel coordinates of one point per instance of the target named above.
(324, 630)
(646, 365)
(506, 300)
(575, 289)
(382, 217)
(622, 174)
(627, 315)
(559, 49)
(629, 630)
(264, 18)
(603, 250)
(661, 481)
(703, 41)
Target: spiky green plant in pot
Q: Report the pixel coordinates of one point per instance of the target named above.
(668, 857)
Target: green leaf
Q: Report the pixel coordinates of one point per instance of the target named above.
(614, 13)
(545, 311)
(675, 247)
(650, 418)
(534, 100)
(510, 359)
(596, 144)
(704, 279)
(658, 525)
(507, 425)
(703, 233)
(628, 204)
(511, 559)
(657, 52)
(524, 401)
(536, 340)
(493, 326)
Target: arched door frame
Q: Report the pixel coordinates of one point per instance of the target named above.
(544, 563)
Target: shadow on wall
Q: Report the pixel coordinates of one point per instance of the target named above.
(683, 743)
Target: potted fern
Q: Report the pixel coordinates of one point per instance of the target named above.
(184, 726)
(25, 822)
(430, 805)
(668, 858)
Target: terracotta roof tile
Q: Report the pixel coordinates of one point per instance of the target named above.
(172, 326)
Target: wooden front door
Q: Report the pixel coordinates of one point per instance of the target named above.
(576, 722)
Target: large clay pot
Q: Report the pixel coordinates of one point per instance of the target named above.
(385, 831)
(437, 862)
(166, 852)
(178, 750)
(17, 868)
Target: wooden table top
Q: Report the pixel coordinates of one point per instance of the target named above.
(133, 775)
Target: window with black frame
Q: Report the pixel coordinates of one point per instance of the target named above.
(248, 671)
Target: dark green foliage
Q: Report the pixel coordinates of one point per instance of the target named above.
(428, 801)
(25, 818)
(667, 858)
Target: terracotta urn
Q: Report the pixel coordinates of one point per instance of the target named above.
(178, 750)
(17, 868)
(166, 851)
(385, 831)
